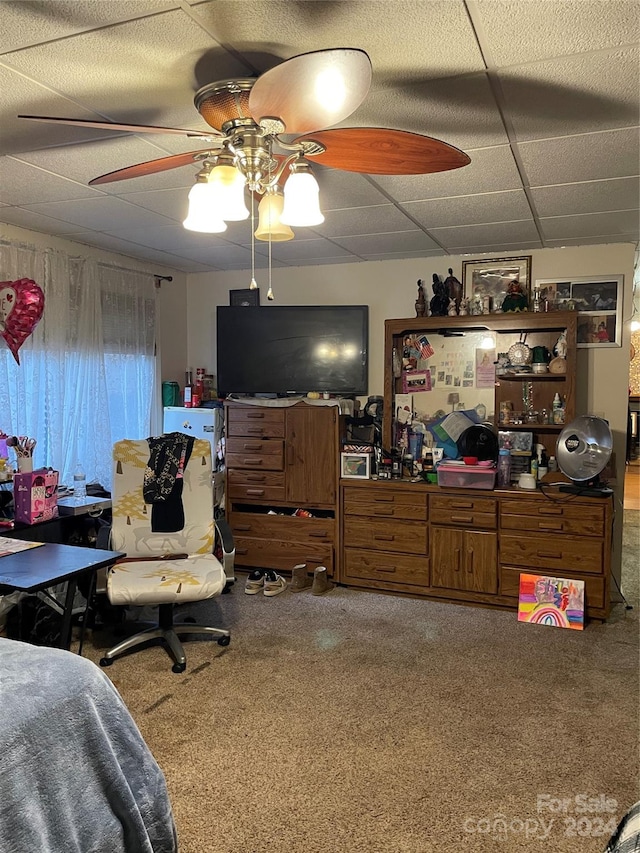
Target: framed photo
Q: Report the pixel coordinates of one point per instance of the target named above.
(355, 466)
(414, 381)
(491, 278)
(598, 301)
(245, 297)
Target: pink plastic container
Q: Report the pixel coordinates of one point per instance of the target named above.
(456, 476)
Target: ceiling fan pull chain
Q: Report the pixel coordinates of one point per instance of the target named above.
(253, 284)
(270, 290)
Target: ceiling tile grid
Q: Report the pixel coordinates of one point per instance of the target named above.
(544, 97)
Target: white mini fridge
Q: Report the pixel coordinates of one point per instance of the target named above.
(200, 423)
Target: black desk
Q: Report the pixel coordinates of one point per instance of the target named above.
(47, 565)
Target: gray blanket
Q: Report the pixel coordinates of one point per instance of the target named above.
(75, 774)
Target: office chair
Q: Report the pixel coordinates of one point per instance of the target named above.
(167, 530)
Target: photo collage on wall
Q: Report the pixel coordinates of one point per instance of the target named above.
(597, 300)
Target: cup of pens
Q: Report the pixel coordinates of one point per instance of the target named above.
(24, 448)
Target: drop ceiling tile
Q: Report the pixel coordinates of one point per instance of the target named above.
(36, 221)
(542, 30)
(496, 249)
(142, 71)
(591, 225)
(573, 94)
(398, 242)
(32, 23)
(588, 197)
(593, 241)
(100, 213)
(590, 157)
(84, 162)
(364, 220)
(128, 249)
(490, 170)
(476, 235)
(399, 256)
(21, 183)
(320, 262)
(171, 203)
(339, 190)
(295, 250)
(470, 210)
(169, 238)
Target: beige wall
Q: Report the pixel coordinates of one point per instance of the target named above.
(389, 288)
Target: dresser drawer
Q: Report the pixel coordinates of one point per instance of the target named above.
(594, 586)
(394, 568)
(463, 504)
(281, 526)
(382, 503)
(254, 491)
(403, 536)
(463, 518)
(552, 517)
(559, 553)
(258, 455)
(282, 555)
(255, 421)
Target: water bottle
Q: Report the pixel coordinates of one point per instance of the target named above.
(504, 468)
(79, 483)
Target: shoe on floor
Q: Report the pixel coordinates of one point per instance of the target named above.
(321, 582)
(274, 583)
(300, 578)
(255, 582)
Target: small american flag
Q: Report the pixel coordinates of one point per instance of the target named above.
(424, 347)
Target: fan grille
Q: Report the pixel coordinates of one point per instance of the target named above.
(226, 101)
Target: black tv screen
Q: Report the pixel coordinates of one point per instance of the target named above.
(292, 349)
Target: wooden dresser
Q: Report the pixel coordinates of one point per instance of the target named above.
(282, 484)
(465, 545)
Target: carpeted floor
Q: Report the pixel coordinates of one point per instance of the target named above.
(357, 722)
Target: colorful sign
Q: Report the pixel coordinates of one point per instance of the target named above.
(558, 602)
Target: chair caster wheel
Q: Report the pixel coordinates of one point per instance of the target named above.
(106, 661)
(224, 641)
(178, 667)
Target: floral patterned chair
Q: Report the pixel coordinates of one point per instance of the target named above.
(166, 566)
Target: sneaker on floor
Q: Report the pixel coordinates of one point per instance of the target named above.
(274, 583)
(255, 582)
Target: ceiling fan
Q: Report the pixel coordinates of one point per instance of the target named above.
(250, 143)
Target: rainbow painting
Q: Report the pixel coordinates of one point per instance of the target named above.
(558, 602)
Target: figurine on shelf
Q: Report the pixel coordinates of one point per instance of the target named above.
(451, 310)
(516, 299)
(560, 349)
(464, 307)
(454, 288)
(439, 304)
(421, 302)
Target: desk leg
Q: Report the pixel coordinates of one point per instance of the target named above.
(65, 636)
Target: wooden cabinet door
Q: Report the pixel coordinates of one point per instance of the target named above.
(311, 450)
(464, 559)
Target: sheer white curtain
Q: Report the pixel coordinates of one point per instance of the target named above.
(87, 375)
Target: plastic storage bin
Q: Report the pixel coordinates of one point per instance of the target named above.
(461, 476)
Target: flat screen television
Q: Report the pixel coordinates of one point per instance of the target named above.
(292, 349)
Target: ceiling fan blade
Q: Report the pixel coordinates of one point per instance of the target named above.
(151, 167)
(312, 90)
(113, 125)
(381, 151)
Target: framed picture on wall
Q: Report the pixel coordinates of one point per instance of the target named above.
(598, 301)
(492, 277)
(247, 296)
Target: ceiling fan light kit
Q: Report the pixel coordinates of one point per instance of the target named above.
(301, 97)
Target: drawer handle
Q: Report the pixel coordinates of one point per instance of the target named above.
(549, 525)
(550, 555)
(456, 568)
(552, 510)
(466, 519)
(242, 527)
(256, 445)
(255, 415)
(319, 534)
(242, 550)
(383, 499)
(461, 505)
(313, 560)
(389, 537)
(389, 569)
(255, 430)
(250, 461)
(470, 561)
(256, 478)
(384, 511)
(256, 492)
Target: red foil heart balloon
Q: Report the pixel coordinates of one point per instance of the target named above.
(21, 307)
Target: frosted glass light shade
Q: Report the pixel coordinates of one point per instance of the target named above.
(269, 218)
(301, 198)
(227, 185)
(201, 215)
